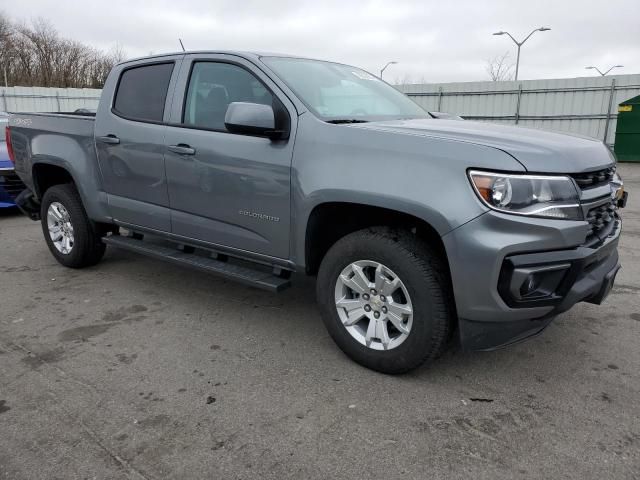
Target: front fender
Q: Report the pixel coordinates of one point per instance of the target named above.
(421, 176)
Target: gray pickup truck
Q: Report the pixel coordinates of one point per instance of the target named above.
(254, 166)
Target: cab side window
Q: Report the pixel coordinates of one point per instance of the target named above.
(213, 86)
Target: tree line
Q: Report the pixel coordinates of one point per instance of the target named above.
(35, 55)
(498, 68)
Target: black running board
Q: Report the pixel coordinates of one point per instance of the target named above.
(249, 276)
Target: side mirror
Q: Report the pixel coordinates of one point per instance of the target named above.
(251, 119)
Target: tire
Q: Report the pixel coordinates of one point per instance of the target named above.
(87, 248)
(423, 276)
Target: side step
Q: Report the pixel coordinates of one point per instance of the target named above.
(253, 277)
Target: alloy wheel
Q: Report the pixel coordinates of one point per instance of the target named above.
(60, 228)
(373, 305)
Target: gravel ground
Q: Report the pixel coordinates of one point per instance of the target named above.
(139, 369)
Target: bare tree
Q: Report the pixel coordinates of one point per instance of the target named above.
(35, 55)
(403, 80)
(499, 68)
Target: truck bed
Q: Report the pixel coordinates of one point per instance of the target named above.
(58, 138)
(65, 123)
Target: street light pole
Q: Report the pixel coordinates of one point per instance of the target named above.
(4, 70)
(603, 74)
(385, 67)
(517, 58)
(519, 44)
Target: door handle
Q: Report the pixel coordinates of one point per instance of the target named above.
(182, 149)
(110, 139)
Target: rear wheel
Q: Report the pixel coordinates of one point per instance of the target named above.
(385, 299)
(72, 238)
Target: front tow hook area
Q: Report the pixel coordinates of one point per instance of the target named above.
(28, 204)
(605, 289)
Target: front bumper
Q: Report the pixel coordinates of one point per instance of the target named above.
(485, 253)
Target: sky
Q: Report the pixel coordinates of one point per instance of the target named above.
(432, 41)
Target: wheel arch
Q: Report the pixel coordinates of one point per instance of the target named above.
(46, 174)
(47, 171)
(327, 222)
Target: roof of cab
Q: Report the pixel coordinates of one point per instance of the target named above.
(238, 53)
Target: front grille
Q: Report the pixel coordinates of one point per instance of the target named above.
(11, 184)
(603, 222)
(594, 179)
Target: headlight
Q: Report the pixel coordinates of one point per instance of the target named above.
(533, 195)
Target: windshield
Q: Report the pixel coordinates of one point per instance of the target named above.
(336, 92)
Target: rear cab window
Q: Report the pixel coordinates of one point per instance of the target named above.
(141, 93)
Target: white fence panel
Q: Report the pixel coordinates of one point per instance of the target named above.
(587, 105)
(41, 99)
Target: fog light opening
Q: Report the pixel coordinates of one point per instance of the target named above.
(530, 285)
(537, 282)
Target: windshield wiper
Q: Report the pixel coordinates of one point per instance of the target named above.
(346, 120)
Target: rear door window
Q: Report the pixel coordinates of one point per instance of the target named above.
(142, 92)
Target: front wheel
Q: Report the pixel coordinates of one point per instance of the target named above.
(385, 299)
(70, 235)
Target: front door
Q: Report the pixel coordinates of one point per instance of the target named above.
(227, 189)
(129, 136)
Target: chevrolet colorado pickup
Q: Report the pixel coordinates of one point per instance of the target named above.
(253, 166)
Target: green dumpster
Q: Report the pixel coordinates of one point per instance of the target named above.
(627, 146)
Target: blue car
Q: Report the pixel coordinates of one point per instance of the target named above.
(10, 184)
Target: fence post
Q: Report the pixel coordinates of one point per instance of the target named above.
(612, 93)
(58, 100)
(439, 99)
(518, 103)
(4, 102)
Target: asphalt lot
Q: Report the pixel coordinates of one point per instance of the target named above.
(139, 369)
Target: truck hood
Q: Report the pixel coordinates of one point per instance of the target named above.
(537, 150)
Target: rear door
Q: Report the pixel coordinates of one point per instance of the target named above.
(129, 134)
(232, 190)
